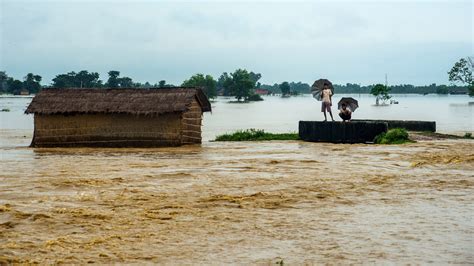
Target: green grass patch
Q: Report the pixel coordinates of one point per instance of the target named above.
(256, 135)
(393, 136)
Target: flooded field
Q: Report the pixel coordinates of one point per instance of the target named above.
(263, 202)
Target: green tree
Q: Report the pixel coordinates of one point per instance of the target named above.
(206, 82)
(84, 79)
(113, 81)
(162, 83)
(4, 81)
(285, 88)
(126, 82)
(381, 93)
(31, 83)
(224, 84)
(242, 84)
(461, 72)
(16, 86)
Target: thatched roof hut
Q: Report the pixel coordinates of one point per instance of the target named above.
(118, 117)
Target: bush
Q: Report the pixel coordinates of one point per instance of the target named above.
(255, 98)
(5, 110)
(468, 135)
(393, 136)
(256, 135)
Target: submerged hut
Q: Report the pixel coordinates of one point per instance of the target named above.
(118, 117)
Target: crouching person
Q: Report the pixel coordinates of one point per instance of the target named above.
(345, 113)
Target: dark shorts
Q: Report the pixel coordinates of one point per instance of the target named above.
(345, 116)
(325, 106)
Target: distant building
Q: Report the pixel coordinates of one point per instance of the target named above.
(262, 92)
(118, 117)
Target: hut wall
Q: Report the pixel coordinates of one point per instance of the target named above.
(191, 124)
(109, 130)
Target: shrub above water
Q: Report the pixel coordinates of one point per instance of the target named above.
(393, 136)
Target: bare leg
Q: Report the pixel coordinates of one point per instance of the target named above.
(330, 113)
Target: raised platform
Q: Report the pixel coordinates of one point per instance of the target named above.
(341, 132)
(411, 125)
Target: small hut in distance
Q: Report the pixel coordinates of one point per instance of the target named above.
(118, 117)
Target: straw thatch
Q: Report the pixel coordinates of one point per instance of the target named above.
(117, 101)
(118, 117)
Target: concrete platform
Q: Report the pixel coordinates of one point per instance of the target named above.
(341, 132)
(411, 125)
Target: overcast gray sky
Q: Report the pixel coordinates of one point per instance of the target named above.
(345, 41)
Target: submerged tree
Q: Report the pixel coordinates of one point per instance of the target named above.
(242, 84)
(206, 82)
(381, 93)
(285, 88)
(461, 72)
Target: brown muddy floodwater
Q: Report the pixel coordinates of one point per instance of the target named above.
(255, 202)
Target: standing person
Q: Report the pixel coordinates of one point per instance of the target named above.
(345, 113)
(326, 101)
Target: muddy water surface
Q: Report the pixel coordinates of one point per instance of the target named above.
(218, 203)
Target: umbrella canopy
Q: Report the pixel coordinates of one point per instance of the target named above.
(318, 86)
(350, 102)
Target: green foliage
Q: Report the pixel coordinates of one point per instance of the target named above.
(295, 87)
(242, 84)
(393, 136)
(468, 135)
(380, 92)
(82, 79)
(442, 89)
(256, 135)
(5, 110)
(285, 88)
(31, 83)
(461, 73)
(255, 98)
(206, 82)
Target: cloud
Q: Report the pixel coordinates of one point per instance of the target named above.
(415, 42)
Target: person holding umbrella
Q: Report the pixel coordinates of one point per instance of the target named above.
(346, 106)
(345, 113)
(323, 90)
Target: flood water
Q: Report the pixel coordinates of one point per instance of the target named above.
(244, 202)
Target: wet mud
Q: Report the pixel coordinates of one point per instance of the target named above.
(257, 202)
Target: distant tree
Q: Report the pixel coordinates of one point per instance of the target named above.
(224, 84)
(206, 82)
(125, 82)
(82, 79)
(113, 81)
(285, 88)
(31, 83)
(242, 84)
(381, 93)
(461, 72)
(16, 86)
(162, 83)
(4, 79)
(442, 89)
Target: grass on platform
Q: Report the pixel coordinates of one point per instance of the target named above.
(256, 135)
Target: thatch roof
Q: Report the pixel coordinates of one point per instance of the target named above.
(129, 101)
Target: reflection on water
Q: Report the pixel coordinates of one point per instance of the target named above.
(219, 203)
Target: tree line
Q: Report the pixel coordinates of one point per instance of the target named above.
(241, 83)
